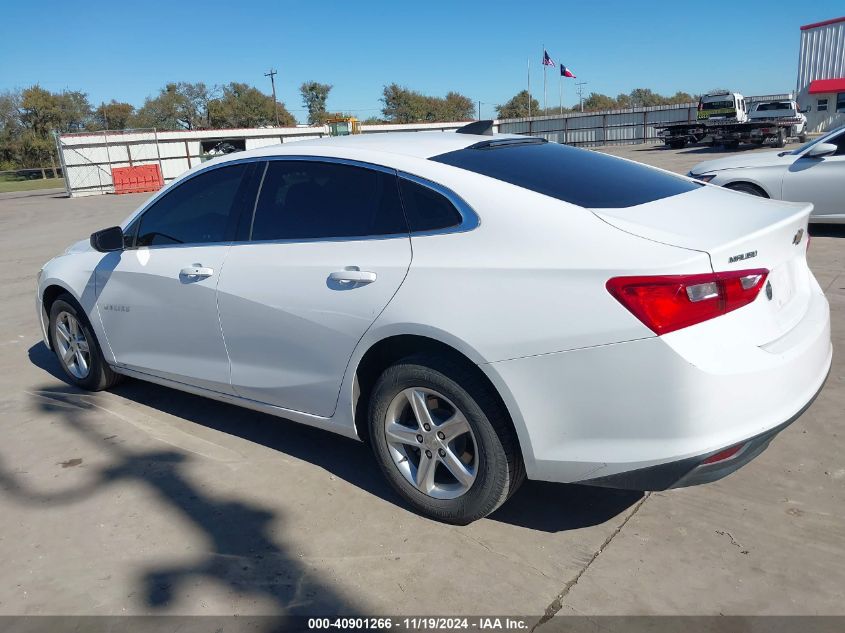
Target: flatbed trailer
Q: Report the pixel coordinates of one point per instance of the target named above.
(727, 133)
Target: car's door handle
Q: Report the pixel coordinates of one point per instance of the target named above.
(356, 276)
(196, 271)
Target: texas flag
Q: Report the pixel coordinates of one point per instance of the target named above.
(565, 72)
(547, 60)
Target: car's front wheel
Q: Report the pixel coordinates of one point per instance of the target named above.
(76, 347)
(443, 440)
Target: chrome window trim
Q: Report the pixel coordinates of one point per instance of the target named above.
(469, 218)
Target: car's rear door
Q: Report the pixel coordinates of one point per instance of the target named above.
(157, 299)
(326, 250)
(818, 180)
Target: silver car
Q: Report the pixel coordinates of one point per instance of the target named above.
(814, 172)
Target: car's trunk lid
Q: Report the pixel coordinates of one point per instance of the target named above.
(738, 232)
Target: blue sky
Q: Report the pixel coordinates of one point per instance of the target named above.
(127, 51)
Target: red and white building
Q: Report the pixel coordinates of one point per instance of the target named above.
(821, 74)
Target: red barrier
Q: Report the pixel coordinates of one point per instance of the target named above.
(137, 179)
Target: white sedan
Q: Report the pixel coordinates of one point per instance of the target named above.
(814, 172)
(479, 308)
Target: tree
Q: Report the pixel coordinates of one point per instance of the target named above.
(455, 107)
(681, 97)
(402, 105)
(314, 96)
(623, 101)
(598, 101)
(517, 106)
(177, 106)
(112, 116)
(244, 106)
(646, 97)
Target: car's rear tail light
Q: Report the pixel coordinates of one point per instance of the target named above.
(666, 303)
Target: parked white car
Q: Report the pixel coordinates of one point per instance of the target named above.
(478, 308)
(814, 172)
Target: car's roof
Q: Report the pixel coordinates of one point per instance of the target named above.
(414, 144)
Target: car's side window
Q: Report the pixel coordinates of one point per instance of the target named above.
(839, 141)
(302, 200)
(198, 211)
(426, 209)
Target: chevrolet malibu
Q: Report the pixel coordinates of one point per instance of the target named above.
(478, 308)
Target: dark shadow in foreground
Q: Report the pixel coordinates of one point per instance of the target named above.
(537, 505)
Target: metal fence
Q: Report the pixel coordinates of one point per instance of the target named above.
(610, 127)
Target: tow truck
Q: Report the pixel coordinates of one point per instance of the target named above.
(724, 117)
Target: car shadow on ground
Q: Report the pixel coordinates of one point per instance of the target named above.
(543, 506)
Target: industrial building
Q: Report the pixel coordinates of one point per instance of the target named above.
(821, 74)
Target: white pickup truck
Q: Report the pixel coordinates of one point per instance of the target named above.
(781, 111)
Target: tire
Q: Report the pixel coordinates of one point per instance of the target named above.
(748, 188)
(678, 144)
(488, 448)
(780, 140)
(802, 138)
(92, 372)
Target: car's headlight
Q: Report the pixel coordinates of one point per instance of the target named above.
(702, 177)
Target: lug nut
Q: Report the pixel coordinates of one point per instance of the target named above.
(441, 435)
(427, 426)
(420, 438)
(442, 453)
(428, 453)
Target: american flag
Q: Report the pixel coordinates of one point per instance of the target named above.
(547, 60)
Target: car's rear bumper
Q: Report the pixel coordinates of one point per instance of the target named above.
(693, 471)
(647, 413)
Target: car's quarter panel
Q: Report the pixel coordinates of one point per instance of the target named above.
(530, 279)
(161, 321)
(617, 408)
(289, 328)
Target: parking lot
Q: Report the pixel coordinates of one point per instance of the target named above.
(148, 500)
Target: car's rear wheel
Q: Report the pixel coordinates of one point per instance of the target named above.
(76, 347)
(442, 439)
(748, 188)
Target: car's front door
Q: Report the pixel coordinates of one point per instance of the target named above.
(818, 180)
(328, 248)
(157, 299)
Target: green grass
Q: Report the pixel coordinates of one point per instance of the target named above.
(31, 185)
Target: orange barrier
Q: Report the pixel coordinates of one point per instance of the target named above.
(137, 179)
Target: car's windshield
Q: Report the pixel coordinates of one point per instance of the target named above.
(716, 105)
(822, 139)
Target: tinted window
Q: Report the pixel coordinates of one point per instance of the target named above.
(426, 209)
(582, 177)
(310, 200)
(821, 105)
(197, 211)
(840, 102)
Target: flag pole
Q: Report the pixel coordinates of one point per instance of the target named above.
(529, 85)
(560, 79)
(545, 94)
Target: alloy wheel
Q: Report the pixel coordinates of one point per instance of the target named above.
(431, 443)
(72, 345)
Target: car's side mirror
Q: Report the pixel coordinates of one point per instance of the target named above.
(820, 150)
(109, 240)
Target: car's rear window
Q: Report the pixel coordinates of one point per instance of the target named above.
(582, 177)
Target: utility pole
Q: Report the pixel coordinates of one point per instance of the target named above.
(479, 110)
(272, 75)
(529, 86)
(581, 94)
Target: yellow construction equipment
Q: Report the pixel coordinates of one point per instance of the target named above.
(343, 125)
